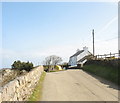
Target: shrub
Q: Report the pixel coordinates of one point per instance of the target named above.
(22, 65)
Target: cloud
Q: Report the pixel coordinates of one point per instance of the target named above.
(37, 56)
(64, 51)
(105, 47)
(110, 22)
(107, 25)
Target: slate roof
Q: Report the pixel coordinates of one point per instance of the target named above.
(82, 59)
(77, 53)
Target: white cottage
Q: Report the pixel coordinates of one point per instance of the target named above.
(79, 58)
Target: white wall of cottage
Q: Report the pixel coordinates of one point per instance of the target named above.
(73, 60)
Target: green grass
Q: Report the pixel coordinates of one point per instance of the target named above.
(56, 70)
(106, 72)
(36, 95)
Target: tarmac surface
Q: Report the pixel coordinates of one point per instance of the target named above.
(77, 85)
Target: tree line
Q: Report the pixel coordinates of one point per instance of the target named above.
(18, 65)
(49, 63)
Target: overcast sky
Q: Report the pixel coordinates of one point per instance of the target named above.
(32, 31)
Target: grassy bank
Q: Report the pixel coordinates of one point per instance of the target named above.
(36, 95)
(107, 72)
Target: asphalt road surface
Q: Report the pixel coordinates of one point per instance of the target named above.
(77, 85)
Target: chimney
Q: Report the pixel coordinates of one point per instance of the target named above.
(77, 50)
(85, 48)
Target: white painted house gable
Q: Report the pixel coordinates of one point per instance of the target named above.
(79, 57)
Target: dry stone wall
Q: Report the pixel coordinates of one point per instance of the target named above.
(7, 75)
(21, 87)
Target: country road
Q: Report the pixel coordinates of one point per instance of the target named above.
(77, 85)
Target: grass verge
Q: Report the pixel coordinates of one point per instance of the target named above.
(36, 95)
(56, 70)
(106, 72)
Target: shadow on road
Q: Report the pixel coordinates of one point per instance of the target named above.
(106, 82)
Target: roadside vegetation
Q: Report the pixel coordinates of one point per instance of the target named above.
(55, 68)
(107, 69)
(53, 63)
(18, 68)
(18, 65)
(50, 63)
(36, 95)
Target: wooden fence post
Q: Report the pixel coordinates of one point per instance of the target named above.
(110, 54)
(98, 56)
(105, 56)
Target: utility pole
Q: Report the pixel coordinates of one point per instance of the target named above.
(93, 43)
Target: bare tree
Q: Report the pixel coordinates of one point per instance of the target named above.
(55, 59)
(52, 61)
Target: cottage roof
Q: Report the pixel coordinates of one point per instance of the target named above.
(77, 53)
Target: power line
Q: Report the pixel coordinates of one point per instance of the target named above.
(108, 39)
